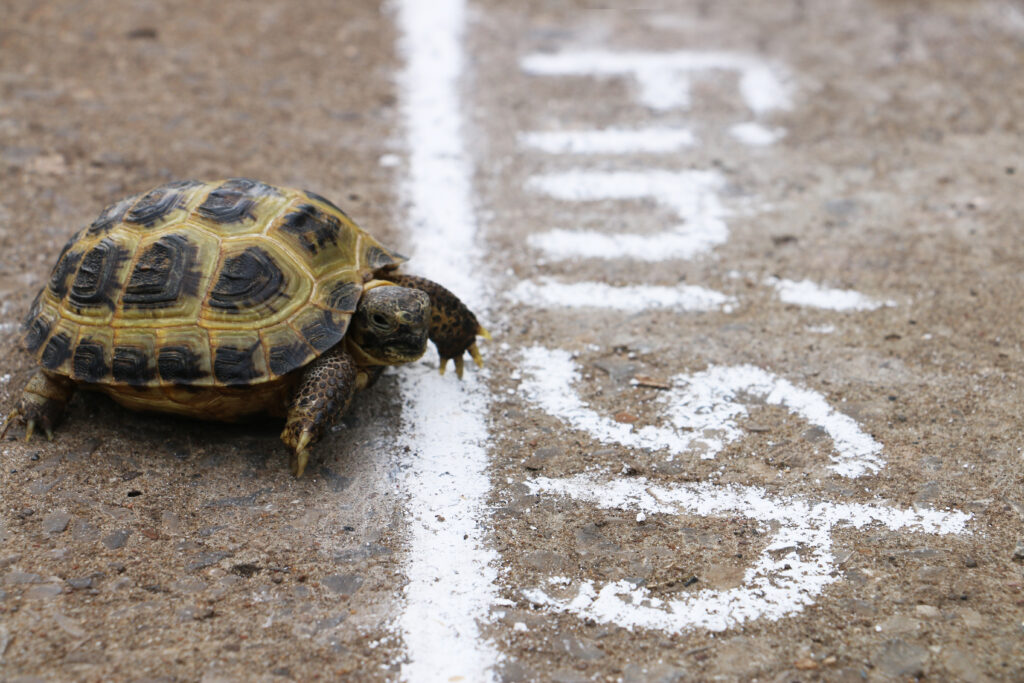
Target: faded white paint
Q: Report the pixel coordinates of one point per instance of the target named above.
(450, 572)
(609, 141)
(702, 411)
(548, 293)
(664, 77)
(692, 195)
(811, 294)
(756, 135)
(795, 567)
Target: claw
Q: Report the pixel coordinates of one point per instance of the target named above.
(49, 433)
(29, 428)
(483, 333)
(460, 366)
(477, 358)
(444, 364)
(9, 421)
(301, 456)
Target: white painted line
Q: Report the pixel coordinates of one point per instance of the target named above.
(756, 135)
(609, 141)
(702, 411)
(807, 293)
(548, 378)
(450, 572)
(547, 293)
(793, 570)
(691, 194)
(664, 78)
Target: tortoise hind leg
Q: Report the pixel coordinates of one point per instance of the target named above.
(453, 327)
(42, 404)
(324, 393)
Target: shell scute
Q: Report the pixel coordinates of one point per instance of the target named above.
(97, 283)
(164, 270)
(239, 360)
(240, 205)
(66, 266)
(112, 215)
(286, 349)
(181, 364)
(257, 284)
(57, 351)
(156, 207)
(133, 365)
(321, 328)
(89, 363)
(318, 238)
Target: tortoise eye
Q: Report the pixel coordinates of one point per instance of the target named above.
(379, 319)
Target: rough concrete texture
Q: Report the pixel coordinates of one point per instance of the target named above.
(141, 547)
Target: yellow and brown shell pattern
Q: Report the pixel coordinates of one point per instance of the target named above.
(229, 283)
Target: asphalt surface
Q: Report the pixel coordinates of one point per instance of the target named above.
(751, 407)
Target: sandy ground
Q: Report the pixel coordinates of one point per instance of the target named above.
(887, 164)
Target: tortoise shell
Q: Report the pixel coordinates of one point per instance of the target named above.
(227, 283)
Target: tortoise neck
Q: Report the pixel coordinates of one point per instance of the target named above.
(362, 358)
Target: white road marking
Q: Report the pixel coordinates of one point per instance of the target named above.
(691, 194)
(807, 293)
(548, 293)
(791, 572)
(449, 568)
(702, 410)
(664, 78)
(609, 141)
(756, 135)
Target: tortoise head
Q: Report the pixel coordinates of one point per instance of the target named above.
(390, 324)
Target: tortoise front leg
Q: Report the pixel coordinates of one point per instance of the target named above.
(324, 393)
(453, 327)
(42, 404)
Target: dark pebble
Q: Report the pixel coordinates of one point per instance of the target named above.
(84, 531)
(81, 583)
(206, 559)
(116, 539)
(56, 522)
(237, 501)
(343, 584)
(245, 569)
(901, 659)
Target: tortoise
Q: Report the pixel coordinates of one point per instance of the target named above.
(227, 299)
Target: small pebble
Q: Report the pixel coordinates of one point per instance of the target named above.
(56, 522)
(44, 591)
(900, 659)
(116, 539)
(805, 664)
(345, 584)
(81, 583)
